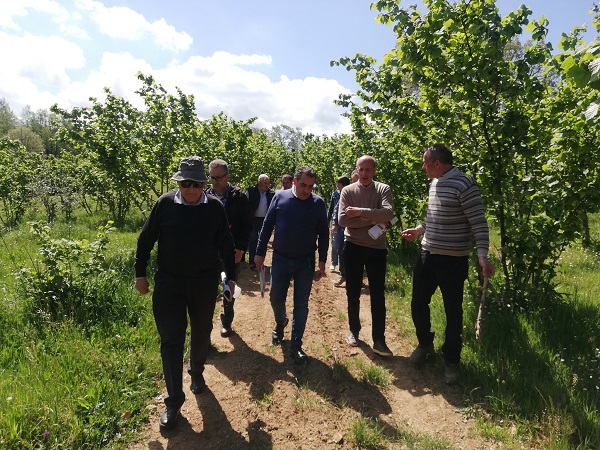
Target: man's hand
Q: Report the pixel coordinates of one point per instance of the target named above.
(231, 285)
(486, 267)
(259, 261)
(238, 255)
(410, 234)
(321, 273)
(352, 212)
(142, 285)
(334, 229)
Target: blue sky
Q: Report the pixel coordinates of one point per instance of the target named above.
(267, 59)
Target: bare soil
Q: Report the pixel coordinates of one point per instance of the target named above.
(257, 398)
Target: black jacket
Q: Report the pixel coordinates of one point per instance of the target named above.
(254, 197)
(239, 215)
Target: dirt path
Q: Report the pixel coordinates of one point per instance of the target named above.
(258, 399)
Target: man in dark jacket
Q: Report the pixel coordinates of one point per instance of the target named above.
(194, 243)
(239, 215)
(260, 197)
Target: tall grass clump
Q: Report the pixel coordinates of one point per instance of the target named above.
(79, 353)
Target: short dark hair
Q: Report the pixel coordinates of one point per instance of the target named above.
(439, 152)
(305, 170)
(219, 163)
(343, 180)
(287, 176)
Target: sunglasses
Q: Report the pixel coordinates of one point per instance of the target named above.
(186, 184)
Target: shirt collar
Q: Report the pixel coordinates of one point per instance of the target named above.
(180, 201)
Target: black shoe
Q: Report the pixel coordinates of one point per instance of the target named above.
(198, 384)
(169, 418)
(277, 335)
(226, 331)
(452, 374)
(382, 349)
(421, 353)
(298, 355)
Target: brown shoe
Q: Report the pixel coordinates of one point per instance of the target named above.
(340, 281)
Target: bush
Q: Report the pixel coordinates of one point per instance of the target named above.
(72, 282)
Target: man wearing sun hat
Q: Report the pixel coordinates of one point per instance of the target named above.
(193, 238)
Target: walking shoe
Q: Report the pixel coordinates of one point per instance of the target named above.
(198, 384)
(452, 374)
(381, 348)
(169, 418)
(226, 331)
(420, 354)
(277, 335)
(340, 281)
(298, 355)
(332, 268)
(352, 339)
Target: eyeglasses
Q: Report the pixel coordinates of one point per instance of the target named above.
(186, 184)
(212, 177)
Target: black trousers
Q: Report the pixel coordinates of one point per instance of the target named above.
(357, 258)
(257, 224)
(174, 299)
(449, 274)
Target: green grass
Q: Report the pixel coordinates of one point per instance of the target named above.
(370, 434)
(534, 376)
(64, 385)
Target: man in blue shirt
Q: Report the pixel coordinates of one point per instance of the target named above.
(299, 219)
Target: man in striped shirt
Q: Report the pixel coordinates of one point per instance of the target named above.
(454, 213)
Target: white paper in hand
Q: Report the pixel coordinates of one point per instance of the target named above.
(262, 281)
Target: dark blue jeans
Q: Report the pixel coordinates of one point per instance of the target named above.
(257, 224)
(302, 270)
(357, 258)
(449, 274)
(174, 299)
(338, 249)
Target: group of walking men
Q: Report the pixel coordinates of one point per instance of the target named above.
(203, 232)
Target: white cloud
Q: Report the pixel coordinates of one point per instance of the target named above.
(42, 60)
(218, 83)
(12, 9)
(48, 70)
(121, 22)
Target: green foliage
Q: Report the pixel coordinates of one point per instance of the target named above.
(28, 138)
(17, 168)
(164, 134)
(64, 389)
(71, 282)
(454, 78)
(8, 120)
